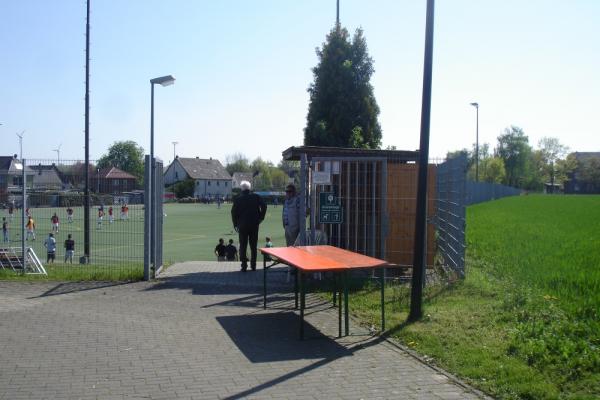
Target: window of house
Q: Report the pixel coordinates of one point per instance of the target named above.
(208, 183)
(176, 175)
(218, 183)
(225, 184)
(115, 182)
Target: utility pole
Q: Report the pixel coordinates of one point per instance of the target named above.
(420, 242)
(86, 193)
(337, 15)
(476, 105)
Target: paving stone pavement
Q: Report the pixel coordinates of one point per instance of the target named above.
(199, 332)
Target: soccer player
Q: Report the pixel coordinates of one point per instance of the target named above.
(110, 215)
(11, 210)
(100, 217)
(69, 249)
(123, 212)
(126, 211)
(30, 226)
(55, 223)
(70, 215)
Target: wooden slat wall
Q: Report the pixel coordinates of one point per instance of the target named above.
(401, 208)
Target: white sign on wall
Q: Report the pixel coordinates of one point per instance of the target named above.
(321, 178)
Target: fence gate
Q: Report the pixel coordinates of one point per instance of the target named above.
(450, 216)
(348, 202)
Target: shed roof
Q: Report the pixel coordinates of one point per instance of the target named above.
(294, 152)
(199, 168)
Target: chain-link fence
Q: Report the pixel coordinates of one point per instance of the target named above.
(365, 201)
(54, 217)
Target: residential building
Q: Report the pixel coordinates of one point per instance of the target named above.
(11, 179)
(112, 181)
(210, 178)
(48, 177)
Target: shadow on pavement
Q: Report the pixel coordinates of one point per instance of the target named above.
(275, 337)
(74, 287)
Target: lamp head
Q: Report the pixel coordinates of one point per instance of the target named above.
(163, 80)
(476, 105)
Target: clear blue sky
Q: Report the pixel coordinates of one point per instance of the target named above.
(243, 66)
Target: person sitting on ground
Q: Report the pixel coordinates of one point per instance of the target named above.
(268, 245)
(231, 252)
(220, 250)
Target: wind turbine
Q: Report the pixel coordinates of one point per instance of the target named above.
(20, 135)
(58, 153)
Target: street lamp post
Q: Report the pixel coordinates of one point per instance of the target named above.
(476, 105)
(98, 180)
(163, 81)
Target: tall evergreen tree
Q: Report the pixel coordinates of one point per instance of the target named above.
(343, 111)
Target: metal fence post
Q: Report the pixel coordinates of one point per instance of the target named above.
(304, 191)
(24, 205)
(147, 218)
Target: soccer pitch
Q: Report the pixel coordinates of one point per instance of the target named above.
(191, 231)
(117, 243)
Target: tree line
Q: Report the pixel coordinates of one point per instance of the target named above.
(514, 162)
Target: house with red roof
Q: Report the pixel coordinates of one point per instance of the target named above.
(112, 180)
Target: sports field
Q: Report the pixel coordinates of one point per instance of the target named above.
(191, 231)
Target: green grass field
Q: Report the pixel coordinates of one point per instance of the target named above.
(117, 249)
(191, 231)
(525, 322)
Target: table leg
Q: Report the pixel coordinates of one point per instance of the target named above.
(382, 299)
(335, 287)
(265, 285)
(346, 319)
(302, 301)
(337, 279)
(295, 288)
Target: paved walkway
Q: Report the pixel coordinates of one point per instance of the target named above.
(198, 333)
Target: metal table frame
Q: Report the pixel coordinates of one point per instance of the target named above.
(340, 282)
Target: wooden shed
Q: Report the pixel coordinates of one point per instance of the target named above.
(376, 193)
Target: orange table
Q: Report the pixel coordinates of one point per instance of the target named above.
(307, 259)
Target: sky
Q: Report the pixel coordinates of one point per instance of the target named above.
(242, 68)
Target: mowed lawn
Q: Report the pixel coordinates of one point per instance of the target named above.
(191, 231)
(525, 322)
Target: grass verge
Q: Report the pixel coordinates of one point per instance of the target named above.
(524, 322)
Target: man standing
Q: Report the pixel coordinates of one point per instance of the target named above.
(50, 244)
(291, 215)
(69, 249)
(5, 237)
(247, 213)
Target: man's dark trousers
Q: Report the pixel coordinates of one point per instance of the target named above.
(248, 235)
